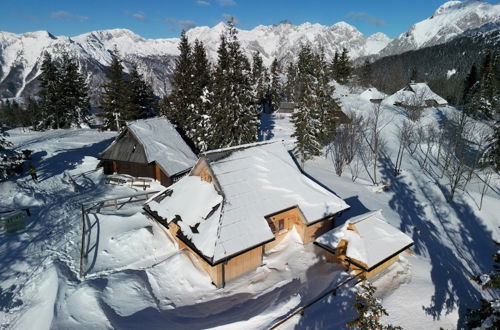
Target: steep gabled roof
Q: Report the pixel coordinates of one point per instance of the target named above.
(372, 241)
(415, 93)
(256, 180)
(159, 143)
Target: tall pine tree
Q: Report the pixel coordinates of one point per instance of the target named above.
(74, 102)
(274, 91)
(142, 102)
(49, 95)
(199, 125)
(234, 113)
(116, 97)
(305, 118)
(178, 105)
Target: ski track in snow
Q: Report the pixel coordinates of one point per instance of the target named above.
(137, 278)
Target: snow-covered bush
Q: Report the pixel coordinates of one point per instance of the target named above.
(10, 160)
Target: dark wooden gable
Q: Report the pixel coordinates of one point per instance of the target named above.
(126, 149)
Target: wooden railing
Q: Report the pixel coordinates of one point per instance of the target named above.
(134, 182)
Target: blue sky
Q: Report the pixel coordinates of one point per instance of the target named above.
(165, 19)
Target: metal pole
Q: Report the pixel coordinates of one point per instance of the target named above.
(83, 242)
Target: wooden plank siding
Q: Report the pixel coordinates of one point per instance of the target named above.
(242, 264)
(339, 256)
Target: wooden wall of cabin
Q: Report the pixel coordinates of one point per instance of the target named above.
(281, 224)
(134, 169)
(107, 167)
(161, 177)
(381, 267)
(310, 233)
(243, 263)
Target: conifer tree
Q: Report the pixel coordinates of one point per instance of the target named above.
(49, 95)
(344, 67)
(199, 125)
(370, 310)
(10, 159)
(116, 96)
(234, 113)
(325, 105)
(469, 82)
(335, 66)
(142, 101)
(291, 86)
(414, 75)
(258, 78)
(484, 96)
(179, 104)
(305, 118)
(274, 91)
(366, 74)
(74, 103)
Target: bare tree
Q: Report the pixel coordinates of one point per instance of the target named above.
(404, 135)
(347, 142)
(487, 178)
(480, 138)
(456, 168)
(375, 141)
(430, 136)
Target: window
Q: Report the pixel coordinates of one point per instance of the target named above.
(281, 225)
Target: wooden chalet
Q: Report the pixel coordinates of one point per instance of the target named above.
(373, 95)
(366, 243)
(149, 148)
(341, 117)
(422, 91)
(237, 203)
(286, 107)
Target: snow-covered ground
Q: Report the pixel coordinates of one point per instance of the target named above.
(136, 277)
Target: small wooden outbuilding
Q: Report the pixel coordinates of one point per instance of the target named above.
(366, 243)
(149, 148)
(237, 203)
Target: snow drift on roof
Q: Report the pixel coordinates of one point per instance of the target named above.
(163, 144)
(256, 181)
(374, 241)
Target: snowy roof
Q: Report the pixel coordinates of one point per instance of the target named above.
(415, 92)
(423, 88)
(373, 241)
(372, 94)
(256, 181)
(162, 144)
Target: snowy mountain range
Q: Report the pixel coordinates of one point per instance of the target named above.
(21, 54)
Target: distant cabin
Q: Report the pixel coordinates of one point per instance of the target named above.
(286, 107)
(149, 148)
(365, 243)
(238, 203)
(340, 117)
(373, 95)
(416, 95)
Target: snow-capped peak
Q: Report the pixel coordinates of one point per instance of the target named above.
(445, 6)
(449, 20)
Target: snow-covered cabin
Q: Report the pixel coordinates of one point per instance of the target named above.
(286, 107)
(239, 202)
(416, 95)
(373, 95)
(149, 148)
(366, 242)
